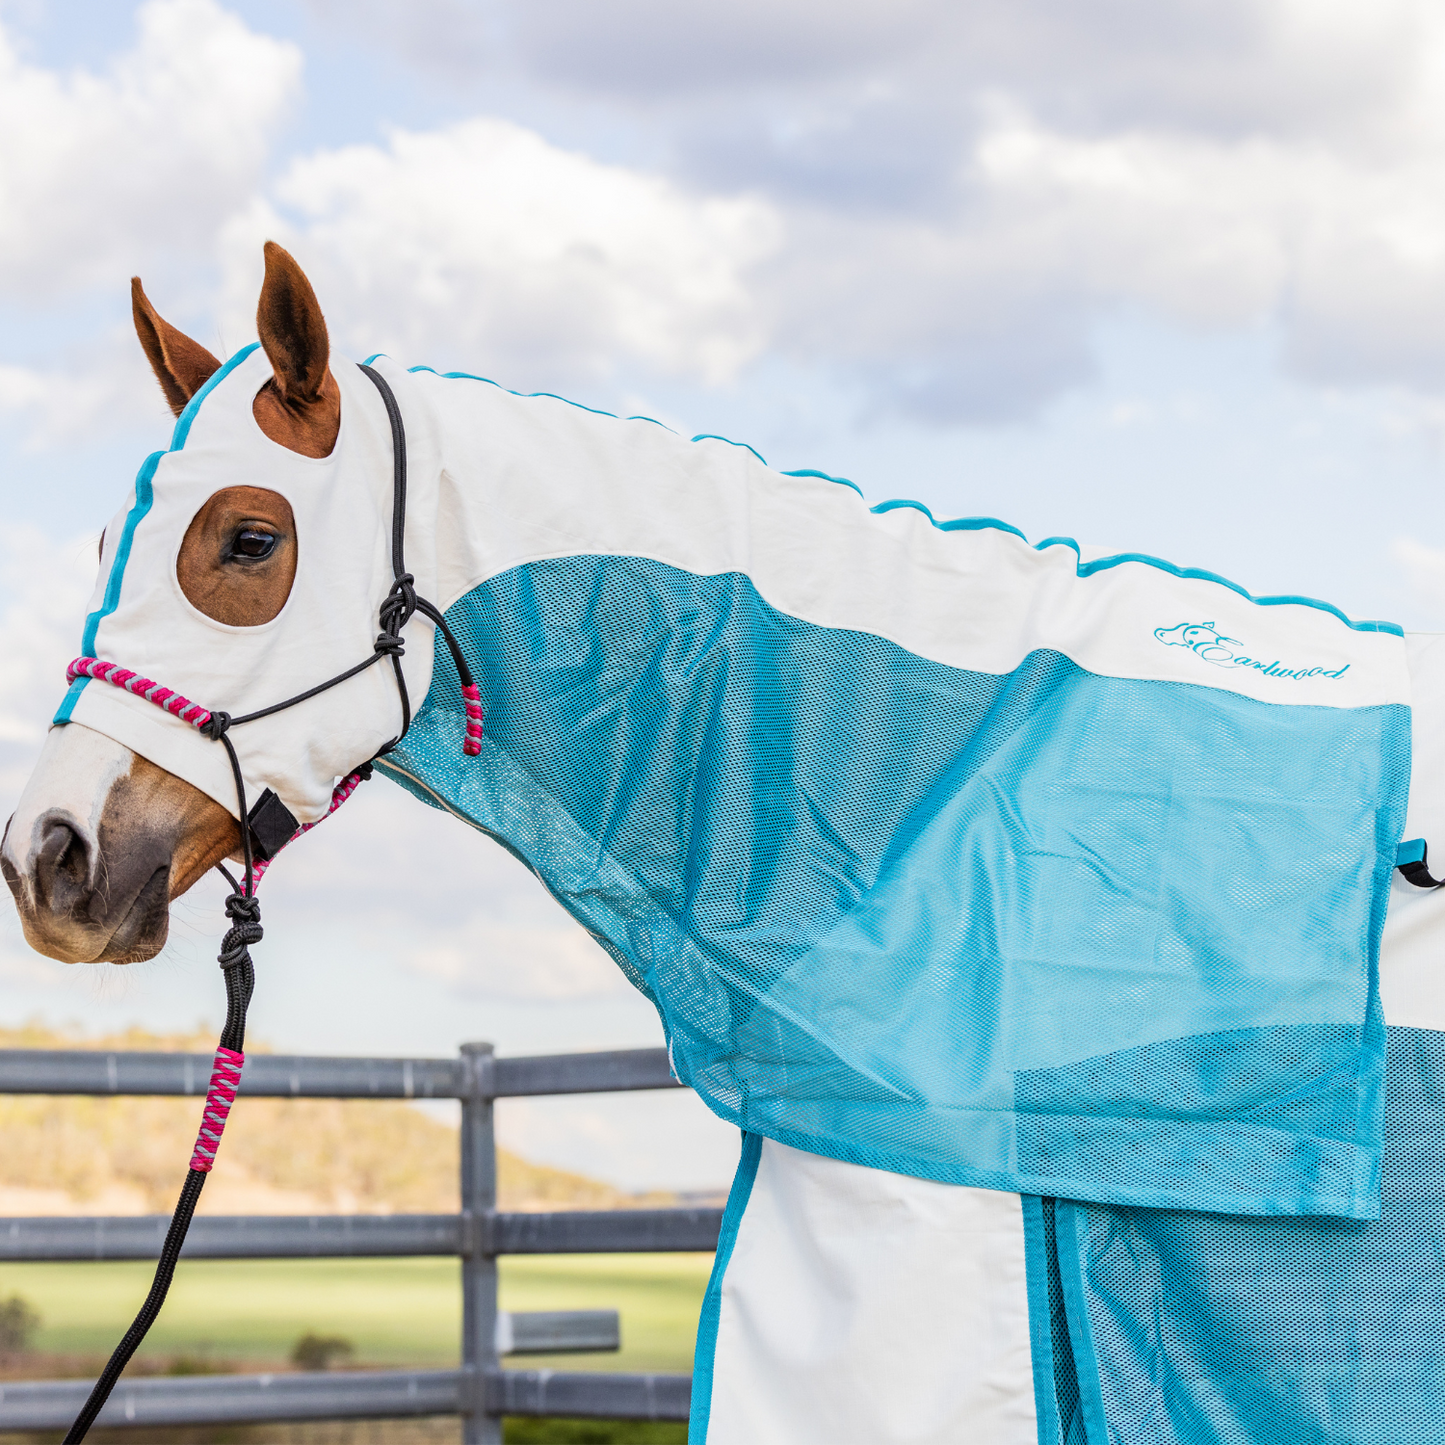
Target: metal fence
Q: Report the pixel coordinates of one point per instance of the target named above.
(480, 1391)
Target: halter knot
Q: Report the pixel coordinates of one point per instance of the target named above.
(400, 604)
(245, 914)
(215, 726)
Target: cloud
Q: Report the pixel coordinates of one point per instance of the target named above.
(105, 384)
(1224, 66)
(965, 192)
(1424, 569)
(551, 960)
(457, 909)
(482, 243)
(43, 590)
(102, 173)
(935, 205)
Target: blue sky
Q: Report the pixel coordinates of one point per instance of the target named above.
(1167, 279)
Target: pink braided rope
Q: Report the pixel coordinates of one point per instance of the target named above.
(198, 717)
(473, 744)
(193, 713)
(225, 1080)
(133, 682)
(339, 794)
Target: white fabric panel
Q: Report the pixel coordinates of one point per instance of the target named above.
(342, 506)
(530, 478)
(497, 481)
(1412, 951)
(868, 1308)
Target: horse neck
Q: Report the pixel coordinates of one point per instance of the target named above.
(522, 479)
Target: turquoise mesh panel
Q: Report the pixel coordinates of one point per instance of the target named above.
(971, 927)
(1220, 1330)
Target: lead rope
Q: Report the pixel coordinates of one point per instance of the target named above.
(242, 906)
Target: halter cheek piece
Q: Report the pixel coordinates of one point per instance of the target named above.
(265, 830)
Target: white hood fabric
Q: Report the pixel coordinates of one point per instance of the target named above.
(140, 618)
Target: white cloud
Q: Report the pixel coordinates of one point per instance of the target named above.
(100, 173)
(553, 961)
(456, 908)
(482, 242)
(43, 589)
(1424, 569)
(105, 385)
(941, 203)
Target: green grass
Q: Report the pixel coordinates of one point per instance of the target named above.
(395, 1311)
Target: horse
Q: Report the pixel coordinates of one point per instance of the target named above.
(1045, 969)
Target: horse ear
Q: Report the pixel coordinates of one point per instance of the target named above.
(182, 366)
(292, 329)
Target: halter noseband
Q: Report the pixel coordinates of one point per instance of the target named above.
(265, 830)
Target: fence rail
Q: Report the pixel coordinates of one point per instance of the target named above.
(362, 1236)
(287, 1076)
(481, 1392)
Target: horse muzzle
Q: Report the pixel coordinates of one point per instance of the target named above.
(80, 903)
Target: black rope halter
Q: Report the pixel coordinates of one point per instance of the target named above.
(264, 831)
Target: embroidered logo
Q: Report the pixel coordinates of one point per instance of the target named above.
(1205, 643)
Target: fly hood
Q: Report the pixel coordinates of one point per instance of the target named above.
(140, 618)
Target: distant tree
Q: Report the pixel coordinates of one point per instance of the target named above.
(320, 1352)
(19, 1320)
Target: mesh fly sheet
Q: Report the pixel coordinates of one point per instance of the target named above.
(936, 852)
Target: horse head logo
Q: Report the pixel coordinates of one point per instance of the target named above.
(1200, 638)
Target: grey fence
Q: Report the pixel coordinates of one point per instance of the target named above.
(481, 1391)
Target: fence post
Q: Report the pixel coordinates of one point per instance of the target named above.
(479, 1265)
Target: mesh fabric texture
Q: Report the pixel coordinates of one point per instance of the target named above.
(885, 906)
(1219, 1330)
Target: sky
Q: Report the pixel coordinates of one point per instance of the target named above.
(1169, 279)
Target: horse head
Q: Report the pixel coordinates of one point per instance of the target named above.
(248, 564)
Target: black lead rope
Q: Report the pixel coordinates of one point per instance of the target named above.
(278, 826)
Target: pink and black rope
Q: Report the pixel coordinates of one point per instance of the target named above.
(226, 1073)
(197, 716)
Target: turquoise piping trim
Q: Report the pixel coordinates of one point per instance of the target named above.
(1041, 1332)
(712, 436)
(823, 476)
(969, 524)
(707, 1325)
(1081, 1333)
(1410, 851)
(184, 420)
(144, 498)
(526, 395)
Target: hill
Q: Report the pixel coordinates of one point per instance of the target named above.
(83, 1155)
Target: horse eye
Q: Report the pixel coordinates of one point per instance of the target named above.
(252, 544)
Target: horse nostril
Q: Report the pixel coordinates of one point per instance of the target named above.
(62, 864)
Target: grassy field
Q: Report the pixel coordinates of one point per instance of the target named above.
(395, 1311)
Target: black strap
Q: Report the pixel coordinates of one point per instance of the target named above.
(1416, 869)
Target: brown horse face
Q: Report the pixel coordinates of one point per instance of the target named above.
(102, 838)
(100, 842)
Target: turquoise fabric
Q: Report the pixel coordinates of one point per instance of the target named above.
(1046, 931)
(711, 1313)
(1197, 1329)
